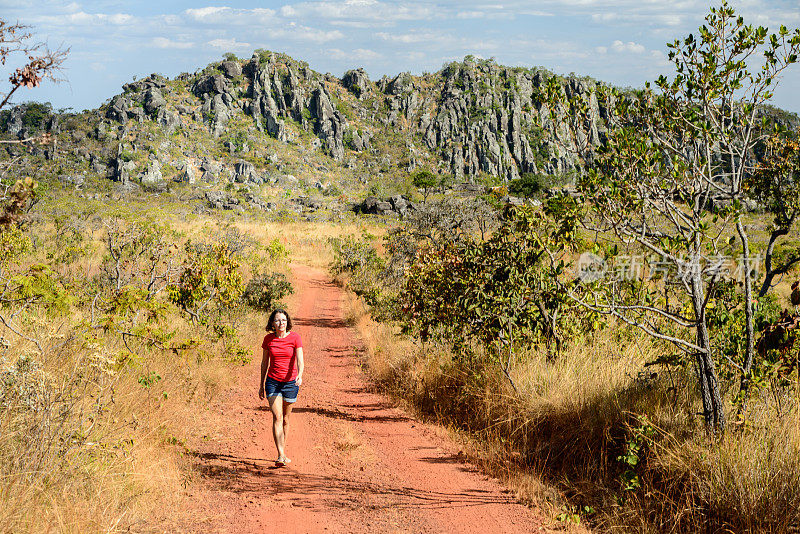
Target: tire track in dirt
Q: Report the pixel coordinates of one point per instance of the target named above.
(358, 463)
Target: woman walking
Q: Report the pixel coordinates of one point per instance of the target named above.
(282, 366)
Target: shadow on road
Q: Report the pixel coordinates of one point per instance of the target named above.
(255, 475)
(347, 416)
(321, 322)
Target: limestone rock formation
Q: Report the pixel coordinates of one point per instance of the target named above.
(471, 118)
(357, 82)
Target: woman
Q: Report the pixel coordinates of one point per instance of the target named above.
(282, 365)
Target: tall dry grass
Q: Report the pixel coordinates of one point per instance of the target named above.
(85, 447)
(557, 442)
(94, 437)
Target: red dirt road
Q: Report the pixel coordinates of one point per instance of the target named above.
(358, 463)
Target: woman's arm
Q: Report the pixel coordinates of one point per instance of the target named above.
(299, 355)
(264, 368)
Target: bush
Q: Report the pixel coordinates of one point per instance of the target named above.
(263, 291)
(359, 261)
(530, 185)
(36, 113)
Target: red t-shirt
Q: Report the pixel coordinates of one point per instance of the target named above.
(282, 365)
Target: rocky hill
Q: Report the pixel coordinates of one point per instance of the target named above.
(272, 125)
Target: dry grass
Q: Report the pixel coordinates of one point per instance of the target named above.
(556, 444)
(84, 447)
(85, 444)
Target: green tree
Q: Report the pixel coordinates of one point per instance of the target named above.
(672, 181)
(425, 180)
(499, 291)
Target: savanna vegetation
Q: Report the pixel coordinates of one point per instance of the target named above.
(630, 341)
(621, 350)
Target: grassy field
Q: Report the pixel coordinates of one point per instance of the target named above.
(101, 398)
(96, 428)
(598, 435)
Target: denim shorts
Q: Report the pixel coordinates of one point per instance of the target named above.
(287, 390)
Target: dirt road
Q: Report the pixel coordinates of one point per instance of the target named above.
(358, 463)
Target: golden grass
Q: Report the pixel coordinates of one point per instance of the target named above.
(556, 443)
(85, 445)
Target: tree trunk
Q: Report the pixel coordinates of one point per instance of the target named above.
(744, 385)
(713, 410)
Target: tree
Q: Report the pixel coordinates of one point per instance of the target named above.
(42, 64)
(24, 284)
(497, 292)
(671, 183)
(425, 180)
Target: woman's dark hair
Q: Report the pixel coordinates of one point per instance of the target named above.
(271, 322)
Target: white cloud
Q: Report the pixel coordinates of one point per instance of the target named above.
(227, 15)
(362, 24)
(163, 42)
(470, 15)
(360, 10)
(304, 33)
(89, 19)
(359, 54)
(229, 44)
(414, 37)
(205, 13)
(630, 47)
(535, 13)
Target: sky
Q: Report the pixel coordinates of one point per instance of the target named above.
(622, 42)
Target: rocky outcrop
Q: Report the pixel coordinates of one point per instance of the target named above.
(28, 120)
(357, 82)
(471, 118)
(118, 109)
(330, 123)
(121, 170)
(151, 179)
(397, 204)
(231, 69)
(222, 201)
(281, 91)
(153, 100)
(214, 84)
(245, 172)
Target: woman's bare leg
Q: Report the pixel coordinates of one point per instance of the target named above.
(287, 411)
(278, 421)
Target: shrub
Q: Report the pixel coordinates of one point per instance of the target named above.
(36, 113)
(265, 290)
(530, 184)
(359, 261)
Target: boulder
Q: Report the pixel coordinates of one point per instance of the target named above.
(118, 109)
(152, 179)
(169, 119)
(214, 167)
(395, 205)
(122, 170)
(401, 204)
(245, 172)
(153, 100)
(76, 180)
(137, 113)
(231, 69)
(189, 175)
(258, 202)
(211, 84)
(401, 83)
(356, 81)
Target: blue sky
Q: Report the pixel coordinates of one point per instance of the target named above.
(618, 41)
